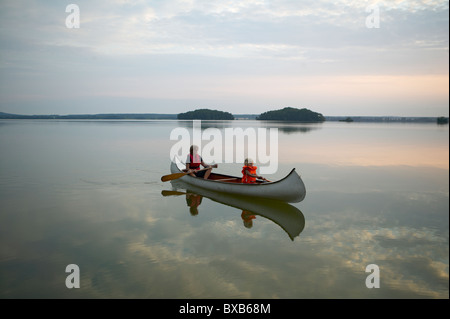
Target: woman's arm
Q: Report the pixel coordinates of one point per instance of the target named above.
(208, 166)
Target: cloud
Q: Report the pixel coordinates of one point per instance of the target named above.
(134, 43)
(219, 28)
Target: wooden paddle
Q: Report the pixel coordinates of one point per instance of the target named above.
(170, 193)
(171, 177)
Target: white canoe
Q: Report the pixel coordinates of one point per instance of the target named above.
(289, 189)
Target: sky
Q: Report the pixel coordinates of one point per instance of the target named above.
(343, 57)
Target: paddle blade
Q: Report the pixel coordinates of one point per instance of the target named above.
(171, 193)
(171, 177)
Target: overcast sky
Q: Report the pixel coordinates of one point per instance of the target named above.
(249, 56)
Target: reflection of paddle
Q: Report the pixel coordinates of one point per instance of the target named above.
(171, 177)
(171, 193)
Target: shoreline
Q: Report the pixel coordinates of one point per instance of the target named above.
(238, 117)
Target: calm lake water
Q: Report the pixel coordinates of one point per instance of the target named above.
(89, 193)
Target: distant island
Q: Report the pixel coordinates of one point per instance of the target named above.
(111, 116)
(389, 119)
(205, 114)
(292, 114)
(347, 119)
(442, 120)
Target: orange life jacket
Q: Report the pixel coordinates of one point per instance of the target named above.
(248, 169)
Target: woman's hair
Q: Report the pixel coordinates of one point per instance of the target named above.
(248, 160)
(191, 149)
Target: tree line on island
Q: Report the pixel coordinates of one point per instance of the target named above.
(304, 115)
(292, 114)
(287, 114)
(205, 114)
(107, 116)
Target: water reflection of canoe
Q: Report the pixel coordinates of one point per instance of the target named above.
(288, 217)
(289, 189)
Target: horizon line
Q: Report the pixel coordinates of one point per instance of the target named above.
(238, 114)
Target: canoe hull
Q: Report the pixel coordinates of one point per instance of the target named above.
(290, 189)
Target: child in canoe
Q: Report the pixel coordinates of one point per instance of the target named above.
(249, 172)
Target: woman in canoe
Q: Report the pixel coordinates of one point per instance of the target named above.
(249, 172)
(193, 162)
